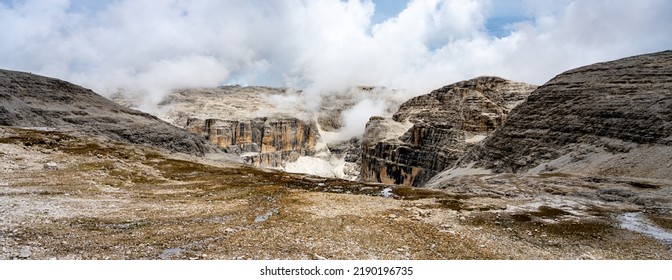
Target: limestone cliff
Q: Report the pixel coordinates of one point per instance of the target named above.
(608, 119)
(276, 127)
(429, 133)
(260, 141)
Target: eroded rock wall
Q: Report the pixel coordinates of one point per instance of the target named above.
(441, 126)
(236, 109)
(261, 141)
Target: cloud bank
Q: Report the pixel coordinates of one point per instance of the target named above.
(150, 47)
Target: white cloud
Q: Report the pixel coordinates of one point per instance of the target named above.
(355, 118)
(152, 46)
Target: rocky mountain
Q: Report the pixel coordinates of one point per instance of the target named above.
(28, 100)
(279, 127)
(68, 192)
(606, 119)
(429, 133)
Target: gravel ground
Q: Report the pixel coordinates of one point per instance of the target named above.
(63, 197)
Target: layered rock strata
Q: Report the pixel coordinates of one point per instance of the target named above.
(28, 100)
(299, 126)
(608, 119)
(260, 141)
(429, 133)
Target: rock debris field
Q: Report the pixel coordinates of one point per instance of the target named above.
(65, 197)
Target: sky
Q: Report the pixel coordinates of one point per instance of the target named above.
(148, 47)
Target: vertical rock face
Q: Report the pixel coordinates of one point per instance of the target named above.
(429, 133)
(261, 141)
(614, 107)
(281, 127)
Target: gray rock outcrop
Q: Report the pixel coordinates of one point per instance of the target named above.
(28, 100)
(608, 119)
(429, 133)
(351, 153)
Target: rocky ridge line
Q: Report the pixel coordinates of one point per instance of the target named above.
(608, 119)
(28, 100)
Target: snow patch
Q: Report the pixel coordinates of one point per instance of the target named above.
(316, 166)
(476, 138)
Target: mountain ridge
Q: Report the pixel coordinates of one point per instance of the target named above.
(30, 100)
(611, 118)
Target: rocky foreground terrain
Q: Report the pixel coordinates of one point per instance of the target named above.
(65, 197)
(601, 191)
